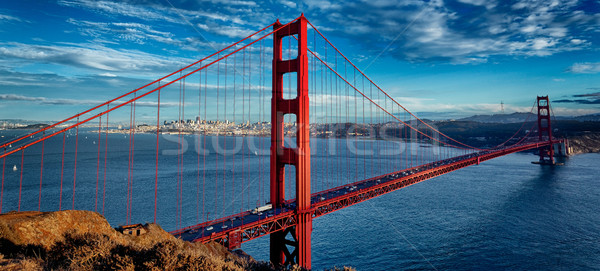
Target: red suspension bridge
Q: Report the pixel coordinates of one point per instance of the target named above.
(199, 151)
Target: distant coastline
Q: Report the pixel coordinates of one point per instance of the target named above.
(583, 136)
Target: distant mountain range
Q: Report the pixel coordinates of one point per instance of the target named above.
(521, 117)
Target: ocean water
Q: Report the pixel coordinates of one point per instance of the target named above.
(503, 214)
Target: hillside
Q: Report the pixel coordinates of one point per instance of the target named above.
(584, 136)
(501, 118)
(83, 240)
(519, 117)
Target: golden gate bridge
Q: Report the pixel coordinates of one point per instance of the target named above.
(353, 142)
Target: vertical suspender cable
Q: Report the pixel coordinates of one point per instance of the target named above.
(75, 167)
(373, 128)
(364, 126)
(323, 105)
(204, 146)
(249, 110)
(355, 127)
(338, 113)
(225, 138)
(129, 164)
(243, 114)
(98, 163)
(41, 172)
(132, 157)
(105, 159)
(156, 156)
(178, 157)
(234, 123)
(181, 151)
(347, 94)
(2, 187)
(217, 140)
(260, 108)
(62, 171)
(21, 178)
(197, 146)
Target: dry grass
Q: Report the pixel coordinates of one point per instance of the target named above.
(93, 251)
(45, 241)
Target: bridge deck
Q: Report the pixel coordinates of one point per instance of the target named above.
(249, 225)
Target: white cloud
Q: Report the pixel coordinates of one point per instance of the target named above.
(234, 2)
(577, 41)
(134, 32)
(486, 3)
(585, 67)
(156, 12)
(322, 4)
(4, 17)
(120, 9)
(67, 101)
(289, 4)
(17, 97)
(542, 43)
(88, 56)
(229, 31)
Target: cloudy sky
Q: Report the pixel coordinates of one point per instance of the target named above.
(438, 58)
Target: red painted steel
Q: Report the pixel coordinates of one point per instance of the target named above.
(299, 156)
(545, 130)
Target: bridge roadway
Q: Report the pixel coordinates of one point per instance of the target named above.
(233, 230)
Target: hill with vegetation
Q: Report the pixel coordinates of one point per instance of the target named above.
(83, 240)
(584, 136)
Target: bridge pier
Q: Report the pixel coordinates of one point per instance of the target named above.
(299, 157)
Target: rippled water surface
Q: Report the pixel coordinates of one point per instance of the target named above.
(503, 214)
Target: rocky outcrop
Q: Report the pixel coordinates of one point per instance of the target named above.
(47, 229)
(585, 143)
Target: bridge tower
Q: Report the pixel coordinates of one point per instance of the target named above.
(298, 157)
(545, 130)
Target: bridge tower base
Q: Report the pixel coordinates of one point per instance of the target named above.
(545, 131)
(299, 157)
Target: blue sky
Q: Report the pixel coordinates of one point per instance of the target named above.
(441, 59)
